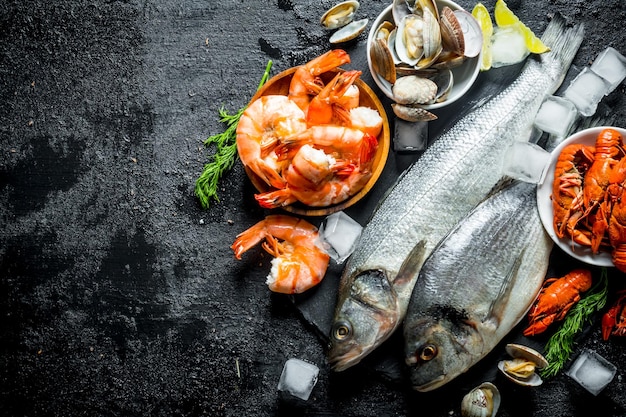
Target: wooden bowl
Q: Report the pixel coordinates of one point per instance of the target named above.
(279, 84)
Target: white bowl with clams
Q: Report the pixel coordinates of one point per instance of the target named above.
(464, 75)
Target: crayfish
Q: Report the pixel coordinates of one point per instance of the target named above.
(556, 298)
(587, 195)
(614, 320)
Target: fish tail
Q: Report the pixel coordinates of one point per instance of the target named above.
(562, 41)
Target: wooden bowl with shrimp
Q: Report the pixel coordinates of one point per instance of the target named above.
(279, 85)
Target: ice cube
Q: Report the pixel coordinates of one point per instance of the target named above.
(340, 232)
(586, 91)
(410, 136)
(298, 378)
(525, 161)
(610, 65)
(556, 116)
(592, 371)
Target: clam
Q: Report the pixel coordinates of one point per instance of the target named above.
(414, 90)
(482, 401)
(349, 32)
(412, 113)
(382, 60)
(409, 41)
(452, 32)
(472, 33)
(431, 39)
(339, 15)
(521, 369)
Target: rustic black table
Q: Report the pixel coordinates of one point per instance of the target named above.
(119, 295)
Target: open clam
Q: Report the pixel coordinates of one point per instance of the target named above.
(349, 32)
(482, 401)
(339, 15)
(521, 369)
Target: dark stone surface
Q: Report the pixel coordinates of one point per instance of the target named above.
(119, 295)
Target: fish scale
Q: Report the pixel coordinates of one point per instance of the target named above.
(451, 177)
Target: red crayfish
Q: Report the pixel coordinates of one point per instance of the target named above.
(587, 195)
(556, 298)
(614, 320)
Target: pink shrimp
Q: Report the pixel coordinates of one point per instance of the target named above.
(306, 82)
(327, 106)
(298, 263)
(261, 128)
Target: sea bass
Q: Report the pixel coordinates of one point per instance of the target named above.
(476, 285)
(451, 177)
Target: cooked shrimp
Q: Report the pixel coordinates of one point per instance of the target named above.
(298, 263)
(332, 191)
(261, 127)
(366, 119)
(305, 81)
(346, 143)
(316, 179)
(326, 107)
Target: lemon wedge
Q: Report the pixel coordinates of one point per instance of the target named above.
(505, 17)
(481, 14)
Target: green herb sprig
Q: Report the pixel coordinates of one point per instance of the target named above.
(226, 151)
(560, 346)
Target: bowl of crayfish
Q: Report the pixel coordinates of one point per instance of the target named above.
(314, 139)
(582, 200)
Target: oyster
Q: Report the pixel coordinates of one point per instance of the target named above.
(349, 32)
(521, 368)
(339, 15)
(482, 401)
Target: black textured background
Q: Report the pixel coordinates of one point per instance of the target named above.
(119, 295)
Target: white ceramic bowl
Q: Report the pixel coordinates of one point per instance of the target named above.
(544, 200)
(464, 75)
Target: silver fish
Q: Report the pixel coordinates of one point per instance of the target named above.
(476, 285)
(452, 176)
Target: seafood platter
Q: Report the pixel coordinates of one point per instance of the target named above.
(572, 149)
(360, 181)
(433, 72)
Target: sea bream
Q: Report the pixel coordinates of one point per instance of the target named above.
(476, 285)
(451, 177)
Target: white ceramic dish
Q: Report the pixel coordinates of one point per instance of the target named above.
(464, 75)
(544, 201)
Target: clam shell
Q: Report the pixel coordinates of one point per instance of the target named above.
(473, 35)
(482, 401)
(382, 60)
(431, 35)
(414, 90)
(349, 32)
(412, 114)
(339, 15)
(409, 42)
(452, 32)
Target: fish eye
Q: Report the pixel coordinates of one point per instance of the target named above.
(427, 353)
(342, 330)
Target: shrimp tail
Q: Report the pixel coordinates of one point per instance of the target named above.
(248, 238)
(274, 199)
(368, 148)
(269, 175)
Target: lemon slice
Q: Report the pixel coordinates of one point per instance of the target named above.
(505, 17)
(481, 14)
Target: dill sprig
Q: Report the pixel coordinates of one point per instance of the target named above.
(560, 346)
(226, 151)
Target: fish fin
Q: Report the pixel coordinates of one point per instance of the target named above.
(411, 265)
(563, 43)
(497, 307)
